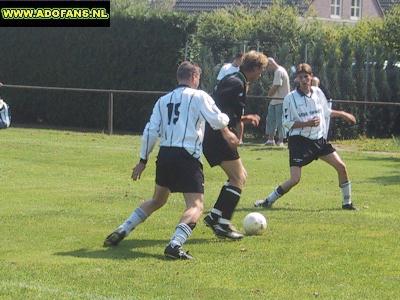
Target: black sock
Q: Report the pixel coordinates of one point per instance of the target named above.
(228, 200)
(218, 204)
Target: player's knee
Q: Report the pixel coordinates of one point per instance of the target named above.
(341, 168)
(295, 180)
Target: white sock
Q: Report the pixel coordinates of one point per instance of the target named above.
(273, 196)
(138, 216)
(346, 192)
(181, 234)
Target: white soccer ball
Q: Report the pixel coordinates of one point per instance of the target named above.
(254, 223)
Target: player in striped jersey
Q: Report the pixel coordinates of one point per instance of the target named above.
(178, 119)
(230, 96)
(304, 113)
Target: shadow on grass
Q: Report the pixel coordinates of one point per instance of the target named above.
(288, 209)
(393, 178)
(126, 250)
(73, 129)
(381, 159)
(386, 180)
(267, 149)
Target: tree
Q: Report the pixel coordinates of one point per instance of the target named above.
(223, 29)
(345, 78)
(276, 26)
(391, 29)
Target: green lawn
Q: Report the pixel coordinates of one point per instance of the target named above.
(62, 192)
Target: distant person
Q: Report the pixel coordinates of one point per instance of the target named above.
(5, 115)
(316, 82)
(231, 67)
(230, 97)
(305, 110)
(279, 89)
(178, 119)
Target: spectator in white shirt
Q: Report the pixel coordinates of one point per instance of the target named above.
(279, 89)
(232, 67)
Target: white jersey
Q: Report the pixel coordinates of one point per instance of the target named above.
(299, 107)
(178, 119)
(226, 70)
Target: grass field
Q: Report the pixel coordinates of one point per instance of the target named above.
(62, 192)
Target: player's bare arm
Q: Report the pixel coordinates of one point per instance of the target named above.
(348, 117)
(273, 90)
(230, 138)
(252, 119)
(309, 123)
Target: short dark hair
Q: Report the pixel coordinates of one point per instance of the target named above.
(186, 69)
(304, 68)
(238, 55)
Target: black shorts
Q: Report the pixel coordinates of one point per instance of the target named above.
(216, 149)
(180, 172)
(302, 150)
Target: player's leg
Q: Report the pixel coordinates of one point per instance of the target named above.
(194, 209)
(219, 219)
(139, 215)
(280, 190)
(279, 128)
(335, 161)
(271, 126)
(189, 180)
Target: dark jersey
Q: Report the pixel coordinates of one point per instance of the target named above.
(230, 97)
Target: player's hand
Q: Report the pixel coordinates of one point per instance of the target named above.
(314, 122)
(230, 138)
(252, 119)
(138, 170)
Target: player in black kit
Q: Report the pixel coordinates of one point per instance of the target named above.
(230, 97)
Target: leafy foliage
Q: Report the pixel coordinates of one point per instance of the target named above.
(146, 42)
(391, 29)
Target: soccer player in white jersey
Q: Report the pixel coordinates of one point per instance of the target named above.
(304, 113)
(178, 119)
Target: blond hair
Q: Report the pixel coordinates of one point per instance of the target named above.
(252, 60)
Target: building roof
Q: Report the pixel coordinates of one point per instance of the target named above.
(209, 5)
(387, 4)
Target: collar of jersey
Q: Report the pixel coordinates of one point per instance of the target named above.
(182, 85)
(302, 94)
